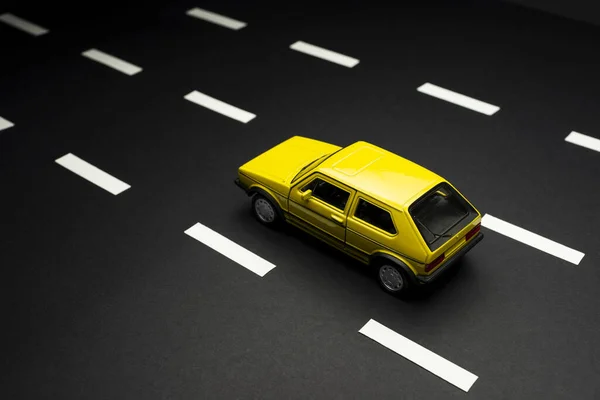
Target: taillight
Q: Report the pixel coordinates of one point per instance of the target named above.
(434, 263)
(473, 232)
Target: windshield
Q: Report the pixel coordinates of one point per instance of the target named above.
(439, 213)
(312, 164)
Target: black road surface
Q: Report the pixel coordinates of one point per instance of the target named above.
(105, 297)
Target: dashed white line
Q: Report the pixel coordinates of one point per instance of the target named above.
(23, 25)
(5, 124)
(230, 249)
(218, 106)
(112, 61)
(215, 18)
(532, 239)
(418, 354)
(324, 54)
(458, 99)
(92, 174)
(583, 140)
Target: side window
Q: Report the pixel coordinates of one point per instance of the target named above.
(375, 216)
(327, 192)
(311, 185)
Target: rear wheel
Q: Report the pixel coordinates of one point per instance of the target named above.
(264, 210)
(393, 279)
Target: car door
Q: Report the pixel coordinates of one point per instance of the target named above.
(370, 226)
(326, 206)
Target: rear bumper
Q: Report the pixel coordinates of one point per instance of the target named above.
(424, 279)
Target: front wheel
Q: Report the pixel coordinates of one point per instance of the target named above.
(393, 279)
(264, 210)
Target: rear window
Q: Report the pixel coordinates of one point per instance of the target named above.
(440, 214)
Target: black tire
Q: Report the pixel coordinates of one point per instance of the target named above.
(392, 278)
(265, 211)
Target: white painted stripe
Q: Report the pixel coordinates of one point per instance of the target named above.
(216, 18)
(218, 106)
(532, 239)
(325, 54)
(5, 124)
(92, 174)
(583, 140)
(22, 24)
(458, 99)
(112, 61)
(418, 354)
(230, 249)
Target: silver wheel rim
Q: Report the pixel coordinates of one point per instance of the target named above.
(264, 210)
(391, 278)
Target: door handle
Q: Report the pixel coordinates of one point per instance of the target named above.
(337, 218)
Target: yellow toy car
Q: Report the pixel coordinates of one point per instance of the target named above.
(384, 210)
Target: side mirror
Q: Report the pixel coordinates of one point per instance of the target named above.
(306, 195)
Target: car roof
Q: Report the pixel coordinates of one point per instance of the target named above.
(379, 173)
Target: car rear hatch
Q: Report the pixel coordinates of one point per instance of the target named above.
(446, 222)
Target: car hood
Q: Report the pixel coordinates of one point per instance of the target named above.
(281, 163)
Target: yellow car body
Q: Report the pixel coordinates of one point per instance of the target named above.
(370, 203)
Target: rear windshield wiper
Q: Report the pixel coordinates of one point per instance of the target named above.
(435, 235)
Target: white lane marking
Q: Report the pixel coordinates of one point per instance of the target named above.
(92, 174)
(230, 249)
(583, 140)
(112, 61)
(216, 18)
(22, 24)
(218, 106)
(532, 239)
(458, 99)
(418, 354)
(324, 54)
(5, 124)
